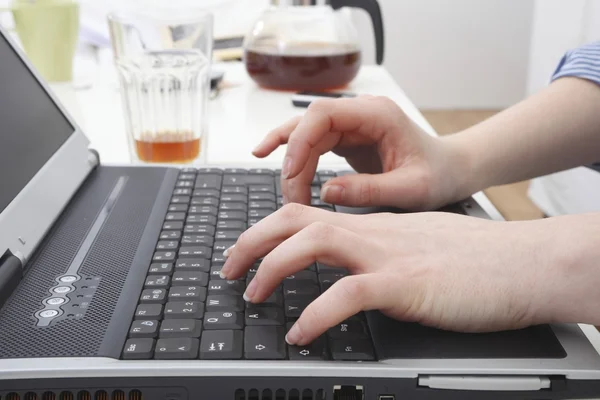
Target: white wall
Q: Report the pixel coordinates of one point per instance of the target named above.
(456, 54)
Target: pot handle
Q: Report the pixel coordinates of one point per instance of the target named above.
(371, 7)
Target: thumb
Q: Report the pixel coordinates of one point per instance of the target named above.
(400, 188)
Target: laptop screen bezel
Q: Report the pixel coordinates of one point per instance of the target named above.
(31, 213)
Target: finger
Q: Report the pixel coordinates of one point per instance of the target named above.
(263, 237)
(297, 190)
(319, 241)
(347, 297)
(321, 118)
(276, 138)
(403, 188)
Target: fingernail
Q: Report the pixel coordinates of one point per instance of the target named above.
(294, 336)
(287, 168)
(222, 275)
(228, 251)
(332, 192)
(250, 290)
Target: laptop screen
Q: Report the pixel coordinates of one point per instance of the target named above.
(32, 127)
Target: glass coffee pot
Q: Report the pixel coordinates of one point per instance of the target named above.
(308, 44)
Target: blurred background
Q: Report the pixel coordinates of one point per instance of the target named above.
(459, 61)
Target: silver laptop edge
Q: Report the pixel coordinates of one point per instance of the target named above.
(32, 212)
(25, 221)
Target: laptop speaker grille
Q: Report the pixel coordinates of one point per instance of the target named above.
(74, 395)
(280, 394)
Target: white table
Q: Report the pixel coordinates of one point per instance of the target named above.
(239, 119)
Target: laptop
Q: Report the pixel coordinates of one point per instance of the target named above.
(110, 289)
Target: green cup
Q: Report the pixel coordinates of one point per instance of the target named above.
(48, 31)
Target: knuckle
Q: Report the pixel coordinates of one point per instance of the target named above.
(319, 231)
(369, 192)
(292, 211)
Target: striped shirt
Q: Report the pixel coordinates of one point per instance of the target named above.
(583, 62)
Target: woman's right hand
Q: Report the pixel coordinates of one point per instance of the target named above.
(399, 164)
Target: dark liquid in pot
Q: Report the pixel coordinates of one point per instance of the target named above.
(303, 66)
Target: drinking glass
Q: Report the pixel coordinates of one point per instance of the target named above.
(163, 57)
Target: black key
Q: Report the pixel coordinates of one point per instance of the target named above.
(184, 184)
(218, 259)
(189, 278)
(212, 171)
(238, 180)
(175, 216)
(231, 225)
(221, 345)
(170, 235)
(153, 296)
(206, 193)
(253, 221)
(195, 252)
(227, 206)
(312, 268)
(278, 186)
(187, 176)
(221, 246)
(261, 188)
(235, 189)
(160, 269)
(149, 311)
(157, 281)
(143, 329)
(303, 276)
(180, 200)
(348, 329)
(173, 226)
(313, 351)
(352, 350)
(294, 307)
(193, 264)
(176, 349)
(220, 286)
(264, 343)
(232, 215)
(215, 272)
(315, 192)
(203, 210)
(223, 302)
(259, 213)
(167, 245)
(182, 191)
(223, 320)
(199, 229)
(188, 170)
(228, 235)
(264, 316)
(326, 172)
(178, 208)
(315, 180)
(330, 279)
(205, 201)
(138, 349)
(187, 293)
(201, 219)
(233, 197)
(274, 300)
(324, 269)
(261, 171)
(292, 292)
(184, 310)
(205, 240)
(164, 256)
(262, 205)
(208, 181)
(258, 196)
(177, 328)
(239, 171)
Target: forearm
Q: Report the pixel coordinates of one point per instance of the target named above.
(572, 282)
(557, 129)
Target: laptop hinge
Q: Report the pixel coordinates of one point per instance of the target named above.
(11, 272)
(485, 383)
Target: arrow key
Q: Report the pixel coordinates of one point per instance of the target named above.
(264, 343)
(221, 345)
(313, 351)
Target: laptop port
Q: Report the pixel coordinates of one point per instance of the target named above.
(344, 392)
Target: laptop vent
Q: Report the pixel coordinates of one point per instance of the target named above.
(74, 395)
(280, 394)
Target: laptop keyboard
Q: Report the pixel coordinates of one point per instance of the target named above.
(186, 311)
